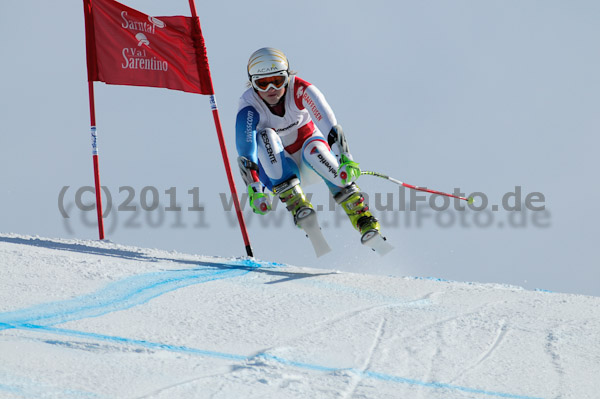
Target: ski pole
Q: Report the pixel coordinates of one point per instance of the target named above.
(366, 172)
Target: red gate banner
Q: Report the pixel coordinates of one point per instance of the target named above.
(128, 47)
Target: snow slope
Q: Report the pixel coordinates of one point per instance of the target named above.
(89, 319)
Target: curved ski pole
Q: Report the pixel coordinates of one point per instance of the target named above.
(369, 173)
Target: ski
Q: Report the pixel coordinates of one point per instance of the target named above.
(378, 243)
(306, 219)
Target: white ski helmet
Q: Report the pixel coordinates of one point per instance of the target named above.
(267, 61)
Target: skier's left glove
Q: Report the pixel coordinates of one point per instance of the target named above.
(259, 201)
(348, 171)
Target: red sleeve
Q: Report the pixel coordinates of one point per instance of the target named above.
(299, 87)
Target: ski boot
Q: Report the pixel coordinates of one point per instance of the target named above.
(291, 194)
(353, 203)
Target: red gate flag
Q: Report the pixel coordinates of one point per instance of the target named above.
(128, 47)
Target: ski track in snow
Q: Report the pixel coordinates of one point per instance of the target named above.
(179, 384)
(139, 289)
(81, 308)
(324, 324)
(360, 372)
(552, 350)
(500, 333)
(358, 375)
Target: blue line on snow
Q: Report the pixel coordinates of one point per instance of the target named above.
(130, 341)
(137, 290)
(441, 385)
(392, 378)
(123, 294)
(8, 388)
(242, 358)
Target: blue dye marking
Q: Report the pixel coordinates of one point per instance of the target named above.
(137, 290)
(391, 378)
(129, 341)
(440, 385)
(123, 294)
(8, 388)
(277, 359)
(36, 390)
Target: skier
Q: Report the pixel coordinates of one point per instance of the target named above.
(287, 137)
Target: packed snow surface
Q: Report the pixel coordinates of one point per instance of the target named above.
(91, 319)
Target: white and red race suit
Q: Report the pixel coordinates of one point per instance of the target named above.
(292, 144)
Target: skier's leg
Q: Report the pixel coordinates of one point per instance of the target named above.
(317, 153)
(280, 174)
(275, 164)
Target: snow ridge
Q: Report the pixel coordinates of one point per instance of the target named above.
(96, 319)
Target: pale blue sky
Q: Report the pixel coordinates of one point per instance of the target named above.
(481, 95)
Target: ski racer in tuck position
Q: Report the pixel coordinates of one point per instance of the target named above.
(287, 137)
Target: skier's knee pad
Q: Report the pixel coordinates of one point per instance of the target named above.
(318, 155)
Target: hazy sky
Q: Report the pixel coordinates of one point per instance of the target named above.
(484, 96)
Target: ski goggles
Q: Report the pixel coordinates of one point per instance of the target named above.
(276, 81)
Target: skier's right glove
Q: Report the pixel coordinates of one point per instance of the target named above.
(259, 201)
